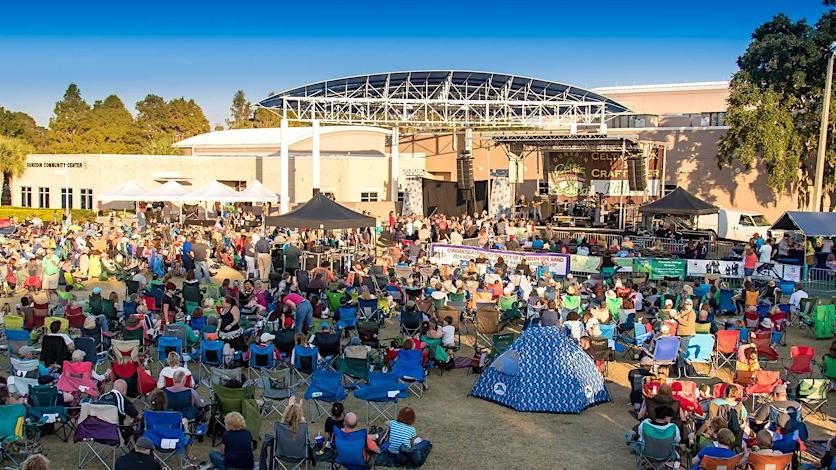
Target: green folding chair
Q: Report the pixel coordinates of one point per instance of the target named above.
(825, 321)
(812, 393)
(355, 371)
(500, 343)
(828, 367)
(108, 309)
(226, 400)
(334, 298)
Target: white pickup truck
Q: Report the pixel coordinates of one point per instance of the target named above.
(735, 225)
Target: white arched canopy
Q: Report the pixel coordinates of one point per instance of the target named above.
(128, 191)
(257, 192)
(213, 192)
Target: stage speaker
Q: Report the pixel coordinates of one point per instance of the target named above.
(637, 174)
(464, 171)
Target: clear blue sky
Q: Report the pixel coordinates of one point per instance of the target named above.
(207, 50)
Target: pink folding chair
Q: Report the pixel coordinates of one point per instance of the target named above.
(78, 376)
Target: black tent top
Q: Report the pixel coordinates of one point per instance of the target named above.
(679, 202)
(811, 224)
(321, 212)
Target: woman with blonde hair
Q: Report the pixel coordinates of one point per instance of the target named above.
(293, 414)
(235, 450)
(166, 378)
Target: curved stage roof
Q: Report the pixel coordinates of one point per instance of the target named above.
(446, 85)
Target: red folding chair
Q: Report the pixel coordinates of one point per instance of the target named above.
(726, 350)
(802, 361)
(763, 343)
(765, 382)
(75, 316)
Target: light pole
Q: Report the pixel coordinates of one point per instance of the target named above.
(825, 119)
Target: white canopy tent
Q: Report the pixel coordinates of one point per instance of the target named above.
(214, 192)
(129, 191)
(172, 191)
(257, 192)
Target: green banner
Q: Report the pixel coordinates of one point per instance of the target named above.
(660, 268)
(586, 264)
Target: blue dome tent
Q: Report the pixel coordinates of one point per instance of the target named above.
(543, 371)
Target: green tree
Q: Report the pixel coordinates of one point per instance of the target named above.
(775, 102)
(70, 123)
(23, 126)
(112, 129)
(13, 154)
(160, 123)
(241, 112)
(267, 118)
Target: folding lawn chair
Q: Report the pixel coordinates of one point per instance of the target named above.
(763, 344)
(381, 396)
(348, 318)
(700, 350)
(758, 461)
(812, 393)
(656, 449)
(276, 390)
(764, 382)
(636, 342)
(24, 374)
(291, 450)
(716, 463)
(410, 369)
(97, 435)
(305, 362)
(325, 387)
(802, 361)
(44, 409)
(78, 376)
(666, 351)
(726, 350)
(165, 430)
(262, 359)
(211, 356)
(355, 370)
(242, 400)
(350, 450)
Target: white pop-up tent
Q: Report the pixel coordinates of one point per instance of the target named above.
(257, 192)
(172, 191)
(129, 191)
(213, 192)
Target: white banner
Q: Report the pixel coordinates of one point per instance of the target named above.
(556, 263)
(734, 269)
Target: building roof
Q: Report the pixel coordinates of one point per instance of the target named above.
(266, 137)
(451, 85)
(663, 87)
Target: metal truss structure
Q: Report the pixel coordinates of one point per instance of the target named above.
(556, 141)
(445, 100)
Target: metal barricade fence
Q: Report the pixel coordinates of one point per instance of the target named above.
(821, 281)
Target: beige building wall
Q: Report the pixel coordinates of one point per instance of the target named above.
(671, 99)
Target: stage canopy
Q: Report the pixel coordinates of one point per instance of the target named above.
(321, 212)
(214, 192)
(257, 192)
(679, 202)
(811, 224)
(172, 191)
(129, 191)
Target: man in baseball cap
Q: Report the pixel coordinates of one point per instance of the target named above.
(141, 457)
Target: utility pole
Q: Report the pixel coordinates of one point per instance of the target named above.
(825, 122)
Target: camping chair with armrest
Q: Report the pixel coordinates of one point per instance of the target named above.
(75, 316)
(109, 311)
(325, 387)
(15, 446)
(763, 344)
(824, 321)
(41, 311)
(636, 342)
(726, 302)
(262, 359)
(599, 350)
(656, 448)
(763, 384)
(54, 350)
(487, 323)
(409, 368)
(804, 318)
(94, 304)
(350, 450)
(181, 402)
(165, 430)
(44, 409)
(715, 463)
(700, 350)
(276, 390)
(348, 318)
(242, 400)
(285, 342)
(411, 321)
(78, 376)
(191, 293)
(211, 356)
(166, 345)
(355, 370)
(665, 351)
(368, 309)
(291, 450)
(329, 348)
(24, 374)
(92, 352)
(13, 322)
(500, 343)
(219, 376)
(129, 308)
(802, 362)
(381, 396)
(16, 339)
(812, 393)
(65, 324)
(131, 287)
(305, 362)
(369, 333)
(828, 367)
(334, 298)
(97, 435)
(726, 349)
(757, 461)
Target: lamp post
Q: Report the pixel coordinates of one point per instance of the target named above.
(825, 119)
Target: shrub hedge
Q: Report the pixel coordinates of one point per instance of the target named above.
(22, 213)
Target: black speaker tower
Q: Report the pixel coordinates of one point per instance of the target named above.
(637, 173)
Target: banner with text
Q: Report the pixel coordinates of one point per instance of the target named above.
(556, 263)
(660, 268)
(734, 269)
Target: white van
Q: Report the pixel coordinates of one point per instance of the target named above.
(735, 225)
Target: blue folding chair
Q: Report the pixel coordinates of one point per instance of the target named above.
(348, 318)
(211, 355)
(381, 396)
(744, 335)
(262, 358)
(325, 387)
(368, 309)
(409, 368)
(637, 341)
(199, 325)
(763, 310)
(350, 449)
(156, 291)
(181, 402)
(700, 350)
(16, 339)
(726, 303)
(165, 430)
(167, 344)
(128, 308)
(305, 362)
(666, 351)
(608, 331)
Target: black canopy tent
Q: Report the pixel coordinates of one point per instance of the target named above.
(321, 212)
(679, 202)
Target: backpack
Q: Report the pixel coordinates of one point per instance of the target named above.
(732, 416)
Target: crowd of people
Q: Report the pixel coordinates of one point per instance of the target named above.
(169, 290)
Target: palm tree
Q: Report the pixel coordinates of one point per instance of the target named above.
(13, 154)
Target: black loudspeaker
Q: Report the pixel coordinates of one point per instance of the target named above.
(464, 171)
(637, 174)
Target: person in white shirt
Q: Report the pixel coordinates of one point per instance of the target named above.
(456, 237)
(140, 278)
(765, 252)
(638, 299)
(448, 333)
(795, 298)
